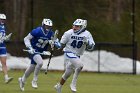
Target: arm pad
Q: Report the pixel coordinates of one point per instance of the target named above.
(27, 41)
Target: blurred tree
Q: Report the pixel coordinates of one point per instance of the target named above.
(114, 10)
(16, 11)
(108, 20)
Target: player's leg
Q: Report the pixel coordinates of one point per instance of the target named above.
(3, 58)
(78, 67)
(65, 76)
(27, 73)
(39, 62)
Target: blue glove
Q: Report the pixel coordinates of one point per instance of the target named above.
(55, 43)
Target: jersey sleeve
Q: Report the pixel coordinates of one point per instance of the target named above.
(91, 41)
(27, 40)
(34, 32)
(64, 38)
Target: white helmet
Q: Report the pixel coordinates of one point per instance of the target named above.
(2, 16)
(80, 22)
(47, 22)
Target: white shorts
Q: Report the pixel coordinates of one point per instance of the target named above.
(72, 61)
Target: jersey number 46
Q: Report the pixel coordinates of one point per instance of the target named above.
(76, 44)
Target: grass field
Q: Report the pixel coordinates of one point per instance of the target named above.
(87, 83)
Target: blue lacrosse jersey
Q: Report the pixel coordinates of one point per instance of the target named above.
(2, 34)
(40, 40)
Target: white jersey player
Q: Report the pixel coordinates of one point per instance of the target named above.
(76, 40)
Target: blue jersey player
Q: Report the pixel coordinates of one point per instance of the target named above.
(3, 51)
(37, 41)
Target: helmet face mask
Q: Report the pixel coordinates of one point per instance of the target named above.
(47, 27)
(76, 28)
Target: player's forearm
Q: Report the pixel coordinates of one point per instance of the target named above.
(62, 46)
(27, 40)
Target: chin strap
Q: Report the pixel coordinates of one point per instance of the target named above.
(80, 31)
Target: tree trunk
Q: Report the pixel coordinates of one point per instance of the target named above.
(16, 12)
(114, 10)
(23, 18)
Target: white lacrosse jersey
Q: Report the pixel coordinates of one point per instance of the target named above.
(74, 42)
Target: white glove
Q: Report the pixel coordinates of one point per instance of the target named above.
(31, 50)
(51, 42)
(1, 41)
(7, 37)
(85, 40)
(46, 53)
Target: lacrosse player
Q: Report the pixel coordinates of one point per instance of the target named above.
(37, 41)
(3, 50)
(75, 41)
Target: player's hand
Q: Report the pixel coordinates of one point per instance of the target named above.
(85, 40)
(51, 42)
(31, 50)
(1, 41)
(46, 53)
(7, 37)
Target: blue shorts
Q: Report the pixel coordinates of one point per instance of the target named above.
(3, 52)
(32, 60)
(31, 57)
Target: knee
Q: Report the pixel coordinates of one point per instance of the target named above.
(79, 68)
(40, 64)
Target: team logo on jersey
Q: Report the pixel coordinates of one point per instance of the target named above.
(43, 38)
(77, 37)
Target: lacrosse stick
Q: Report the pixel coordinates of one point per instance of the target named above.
(49, 61)
(46, 52)
(52, 49)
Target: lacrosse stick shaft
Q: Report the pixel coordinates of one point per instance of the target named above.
(52, 49)
(37, 52)
(49, 62)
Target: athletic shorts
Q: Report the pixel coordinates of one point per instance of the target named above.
(3, 52)
(72, 61)
(32, 60)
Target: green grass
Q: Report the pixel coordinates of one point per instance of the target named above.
(87, 83)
